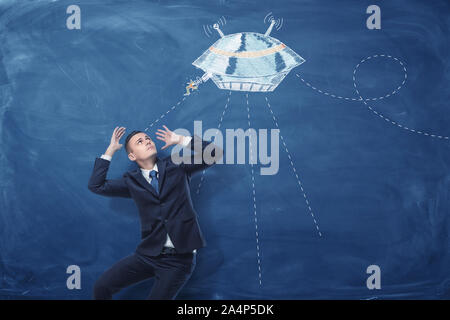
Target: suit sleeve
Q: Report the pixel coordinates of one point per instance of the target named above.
(198, 161)
(100, 185)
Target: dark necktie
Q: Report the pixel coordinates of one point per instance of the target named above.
(154, 181)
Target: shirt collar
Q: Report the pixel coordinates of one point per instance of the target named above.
(146, 172)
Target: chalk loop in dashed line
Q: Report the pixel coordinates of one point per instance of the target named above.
(364, 100)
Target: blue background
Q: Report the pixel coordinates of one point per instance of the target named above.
(380, 193)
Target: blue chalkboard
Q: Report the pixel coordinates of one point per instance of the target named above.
(363, 174)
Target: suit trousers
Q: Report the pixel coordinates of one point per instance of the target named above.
(171, 272)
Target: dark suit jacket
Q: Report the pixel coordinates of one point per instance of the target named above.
(171, 211)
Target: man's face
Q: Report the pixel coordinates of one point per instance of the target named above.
(141, 147)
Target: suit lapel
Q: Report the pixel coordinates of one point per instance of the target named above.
(162, 172)
(139, 177)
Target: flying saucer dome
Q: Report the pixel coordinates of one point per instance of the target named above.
(248, 61)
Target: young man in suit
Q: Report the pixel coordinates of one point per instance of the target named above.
(170, 231)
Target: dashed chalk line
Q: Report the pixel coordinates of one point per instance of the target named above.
(254, 195)
(294, 170)
(218, 127)
(365, 100)
(164, 114)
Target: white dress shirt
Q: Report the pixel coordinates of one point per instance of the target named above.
(146, 174)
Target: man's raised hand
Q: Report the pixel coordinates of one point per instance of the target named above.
(169, 137)
(115, 138)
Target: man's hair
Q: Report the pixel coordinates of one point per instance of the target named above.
(127, 149)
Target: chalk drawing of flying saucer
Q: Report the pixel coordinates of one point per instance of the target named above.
(247, 61)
